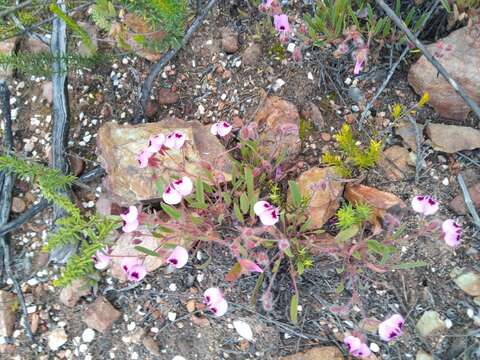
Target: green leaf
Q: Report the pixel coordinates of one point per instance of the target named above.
(170, 211)
(258, 284)
(296, 195)
(300, 268)
(244, 204)
(305, 226)
(200, 192)
(294, 309)
(72, 24)
(356, 254)
(347, 234)
(288, 252)
(227, 198)
(249, 182)
(146, 251)
(276, 266)
(196, 220)
(340, 288)
(238, 213)
(410, 265)
(160, 185)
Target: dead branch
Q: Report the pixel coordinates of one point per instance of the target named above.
(468, 201)
(158, 66)
(5, 206)
(15, 8)
(393, 68)
(458, 89)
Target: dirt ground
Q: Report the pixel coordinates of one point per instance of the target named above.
(205, 77)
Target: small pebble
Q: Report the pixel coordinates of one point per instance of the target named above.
(172, 316)
(88, 335)
(131, 326)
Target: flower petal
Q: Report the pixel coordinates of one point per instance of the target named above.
(391, 328)
(175, 140)
(353, 343)
(425, 205)
(270, 217)
(137, 273)
(178, 257)
(130, 215)
(261, 206)
(128, 262)
(171, 196)
(212, 296)
(214, 129)
(130, 226)
(250, 266)
(143, 158)
(101, 259)
(219, 308)
(184, 186)
(155, 143)
(363, 351)
(224, 128)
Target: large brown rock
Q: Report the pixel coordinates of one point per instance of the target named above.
(452, 138)
(325, 192)
(458, 203)
(317, 353)
(394, 162)
(70, 294)
(279, 122)
(229, 40)
(459, 53)
(127, 183)
(8, 311)
(100, 315)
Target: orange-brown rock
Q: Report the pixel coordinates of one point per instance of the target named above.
(100, 315)
(317, 353)
(394, 162)
(323, 187)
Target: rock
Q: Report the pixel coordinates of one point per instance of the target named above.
(252, 55)
(127, 183)
(422, 355)
(18, 205)
(394, 162)
(458, 203)
(452, 138)
(317, 353)
(381, 202)
(406, 131)
(77, 164)
(312, 113)
(47, 91)
(40, 260)
(88, 335)
(70, 294)
(325, 192)
(229, 41)
(56, 338)
(462, 62)
(8, 311)
(33, 46)
(7, 48)
(167, 96)
(151, 109)
(151, 345)
(34, 321)
(92, 31)
(280, 122)
(469, 282)
(100, 315)
(8, 349)
(430, 323)
(190, 305)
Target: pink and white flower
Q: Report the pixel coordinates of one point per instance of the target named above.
(391, 328)
(451, 232)
(221, 128)
(101, 260)
(143, 158)
(178, 257)
(282, 25)
(175, 140)
(130, 219)
(268, 214)
(177, 189)
(425, 205)
(216, 303)
(134, 269)
(356, 347)
(250, 266)
(361, 56)
(155, 143)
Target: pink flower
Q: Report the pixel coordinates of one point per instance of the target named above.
(155, 143)
(360, 58)
(451, 232)
(178, 257)
(175, 140)
(221, 128)
(250, 266)
(391, 328)
(101, 259)
(177, 189)
(356, 347)
(425, 205)
(215, 301)
(268, 214)
(130, 219)
(281, 25)
(143, 158)
(134, 270)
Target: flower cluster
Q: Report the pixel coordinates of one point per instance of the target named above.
(360, 53)
(451, 230)
(390, 329)
(159, 144)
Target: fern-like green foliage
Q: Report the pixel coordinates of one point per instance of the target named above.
(90, 231)
(40, 64)
(103, 13)
(351, 155)
(347, 215)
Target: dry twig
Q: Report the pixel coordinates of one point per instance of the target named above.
(468, 201)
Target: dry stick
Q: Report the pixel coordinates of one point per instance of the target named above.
(468, 201)
(458, 89)
(5, 206)
(420, 151)
(394, 68)
(15, 8)
(43, 204)
(158, 66)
